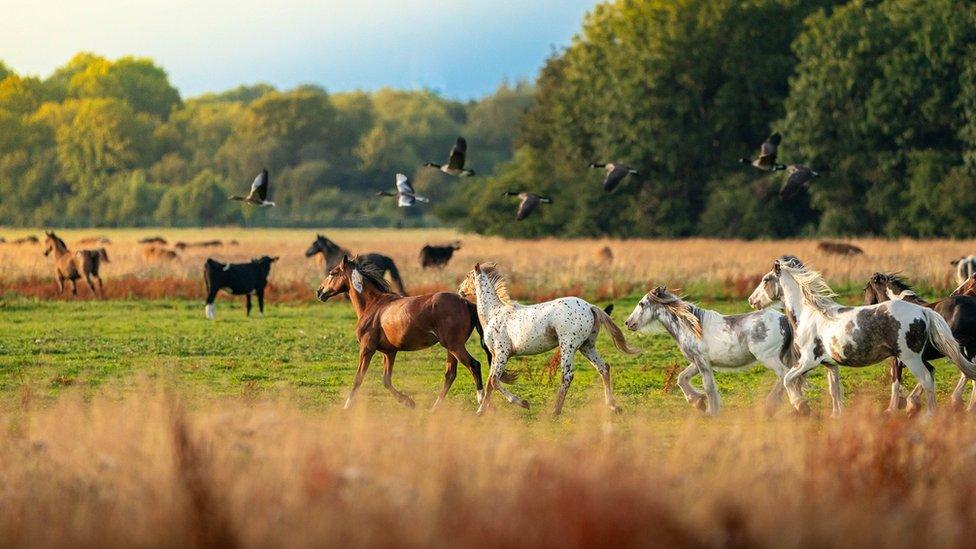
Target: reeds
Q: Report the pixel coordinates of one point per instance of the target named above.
(140, 470)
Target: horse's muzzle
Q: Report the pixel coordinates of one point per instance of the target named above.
(324, 295)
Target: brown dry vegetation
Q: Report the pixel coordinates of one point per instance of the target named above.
(142, 471)
(539, 269)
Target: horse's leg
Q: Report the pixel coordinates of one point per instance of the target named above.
(473, 366)
(922, 371)
(793, 381)
(365, 355)
(60, 284)
(566, 353)
(450, 372)
(692, 395)
(711, 389)
(915, 397)
(589, 351)
(836, 390)
(957, 393)
(101, 286)
(388, 360)
(499, 361)
(898, 400)
(775, 396)
(247, 298)
(91, 285)
(74, 286)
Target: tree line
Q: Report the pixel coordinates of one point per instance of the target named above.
(879, 96)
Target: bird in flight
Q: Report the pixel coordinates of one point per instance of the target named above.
(259, 191)
(767, 155)
(455, 163)
(799, 176)
(615, 174)
(530, 201)
(405, 194)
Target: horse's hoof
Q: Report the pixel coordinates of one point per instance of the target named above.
(803, 409)
(958, 406)
(701, 403)
(902, 403)
(616, 409)
(408, 402)
(522, 403)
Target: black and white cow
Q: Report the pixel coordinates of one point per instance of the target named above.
(237, 279)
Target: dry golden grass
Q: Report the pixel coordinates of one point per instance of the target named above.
(538, 268)
(143, 471)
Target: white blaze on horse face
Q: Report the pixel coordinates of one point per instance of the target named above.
(644, 319)
(761, 295)
(357, 280)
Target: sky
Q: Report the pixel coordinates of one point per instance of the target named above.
(460, 48)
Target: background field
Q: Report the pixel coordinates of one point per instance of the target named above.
(137, 420)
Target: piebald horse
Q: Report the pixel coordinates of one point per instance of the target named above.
(827, 332)
(712, 341)
(72, 266)
(389, 323)
(511, 329)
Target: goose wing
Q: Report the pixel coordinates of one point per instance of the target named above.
(799, 176)
(259, 188)
(458, 152)
(403, 184)
(767, 152)
(614, 176)
(529, 203)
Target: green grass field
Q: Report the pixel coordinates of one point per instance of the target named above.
(307, 354)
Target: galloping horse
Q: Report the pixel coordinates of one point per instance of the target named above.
(711, 340)
(328, 254)
(72, 266)
(389, 323)
(959, 310)
(826, 332)
(512, 329)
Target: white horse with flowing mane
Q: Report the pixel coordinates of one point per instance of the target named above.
(829, 333)
(713, 341)
(511, 329)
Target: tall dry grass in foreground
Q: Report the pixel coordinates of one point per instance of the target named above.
(539, 268)
(140, 471)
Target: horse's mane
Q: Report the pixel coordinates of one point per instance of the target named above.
(57, 241)
(681, 309)
(498, 281)
(894, 282)
(814, 288)
(372, 274)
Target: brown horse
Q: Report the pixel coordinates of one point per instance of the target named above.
(72, 266)
(389, 323)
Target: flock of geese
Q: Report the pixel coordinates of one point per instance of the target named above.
(799, 176)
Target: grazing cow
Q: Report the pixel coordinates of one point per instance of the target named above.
(153, 240)
(94, 240)
(158, 253)
(237, 279)
(204, 244)
(838, 248)
(965, 267)
(29, 239)
(438, 256)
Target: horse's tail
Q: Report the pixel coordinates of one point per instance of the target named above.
(618, 337)
(940, 334)
(395, 275)
(508, 376)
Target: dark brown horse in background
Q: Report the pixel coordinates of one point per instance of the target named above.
(959, 310)
(72, 266)
(388, 323)
(328, 254)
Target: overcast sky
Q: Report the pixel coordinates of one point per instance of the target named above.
(461, 48)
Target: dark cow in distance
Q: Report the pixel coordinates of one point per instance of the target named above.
(438, 256)
(237, 279)
(838, 248)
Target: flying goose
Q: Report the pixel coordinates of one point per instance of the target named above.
(799, 176)
(615, 174)
(259, 191)
(405, 195)
(767, 155)
(455, 164)
(530, 201)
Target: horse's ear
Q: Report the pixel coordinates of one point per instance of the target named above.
(345, 261)
(776, 266)
(477, 268)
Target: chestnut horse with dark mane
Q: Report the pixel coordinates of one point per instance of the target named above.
(389, 323)
(72, 266)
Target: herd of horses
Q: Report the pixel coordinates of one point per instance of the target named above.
(796, 326)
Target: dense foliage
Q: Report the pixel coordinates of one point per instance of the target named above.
(877, 95)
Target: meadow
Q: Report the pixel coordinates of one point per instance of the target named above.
(136, 421)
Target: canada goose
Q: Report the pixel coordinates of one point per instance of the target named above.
(530, 201)
(455, 164)
(799, 176)
(405, 195)
(767, 155)
(259, 191)
(615, 174)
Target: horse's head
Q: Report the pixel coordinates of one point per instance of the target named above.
(318, 245)
(769, 290)
(875, 291)
(52, 242)
(339, 280)
(474, 278)
(646, 315)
